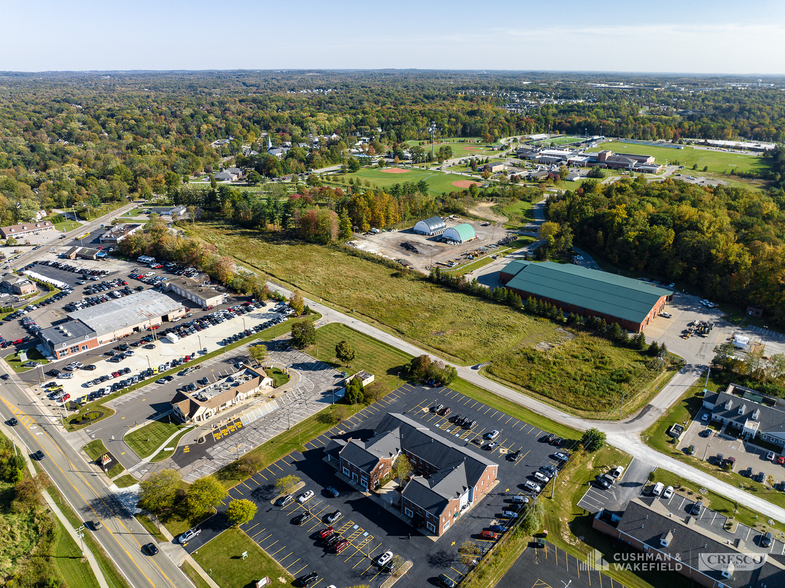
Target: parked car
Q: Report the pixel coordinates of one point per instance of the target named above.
(305, 496)
(491, 435)
(340, 546)
(332, 492)
(188, 535)
(384, 558)
(326, 532)
(445, 581)
(540, 477)
(301, 518)
(308, 579)
(531, 486)
(334, 516)
(770, 456)
(602, 482)
(284, 500)
(668, 493)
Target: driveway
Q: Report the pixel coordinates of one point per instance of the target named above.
(616, 498)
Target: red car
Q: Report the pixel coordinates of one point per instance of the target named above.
(18, 342)
(781, 460)
(340, 546)
(326, 532)
(115, 374)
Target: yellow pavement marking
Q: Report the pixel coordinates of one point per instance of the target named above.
(262, 475)
(274, 552)
(291, 564)
(300, 570)
(252, 528)
(264, 539)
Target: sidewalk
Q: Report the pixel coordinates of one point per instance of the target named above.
(181, 555)
(59, 513)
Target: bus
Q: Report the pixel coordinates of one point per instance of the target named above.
(85, 236)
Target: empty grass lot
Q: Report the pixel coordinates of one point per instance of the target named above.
(145, 440)
(222, 559)
(518, 214)
(719, 162)
(67, 556)
(458, 327)
(467, 147)
(587, 375)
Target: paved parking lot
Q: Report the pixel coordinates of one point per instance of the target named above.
(619, 494)
(714, 522)
(550, 567)
(368, 523)
(748, 455)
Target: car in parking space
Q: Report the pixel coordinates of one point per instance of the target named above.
(334, 516)
(497, 528)
(445, 411)
(490, 446)
(325, 533)
(490, 535)
(437, 408)
(531, 486)
(513, 456)
(668, 493)
(770, 456)
(602, 482)
(384, 558)
(307, 495)
(308, 579)
(557, 441)
(340, 546)
(520, 499)
(150, 549)
(332, 539)
(301, 518)
(617, 471)
(765, 540)
(562, 456)
(491, 435)
(705, 417)
(664, 314)
(705, 432)
(510, 514)
(540, 477)
(284, 500)
(548, 470)
(332, 492)
(445, 581)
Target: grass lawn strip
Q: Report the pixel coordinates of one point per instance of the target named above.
(150, 526)
(165, 452)
(68, 559)
(194, 576)
(471, 331)
(145, 440)
(125, 481)
(111, 574)
(221, 558)
(94, 450)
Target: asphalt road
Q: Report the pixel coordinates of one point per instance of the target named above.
(84, 489)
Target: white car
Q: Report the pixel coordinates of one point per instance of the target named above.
(188, 535)
(668, 492)
(529, 485)
(541, 477)
(307, 495)
(770, 456)
(510, 514)
(384, 558)
(664, 314)
(492, 435)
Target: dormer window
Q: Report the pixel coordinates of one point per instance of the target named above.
(756, 415)
(742, 408)
(729, 405)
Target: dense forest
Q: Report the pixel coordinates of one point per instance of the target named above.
(726, 242)
(86, 139)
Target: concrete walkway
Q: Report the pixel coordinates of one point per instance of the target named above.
(179, 555)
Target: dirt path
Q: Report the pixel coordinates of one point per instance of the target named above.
(483, 209)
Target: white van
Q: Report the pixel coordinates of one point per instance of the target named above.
(658, 488)
(172, 337)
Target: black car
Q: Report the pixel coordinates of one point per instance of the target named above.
(301, 518)
(38, 455)
(602, 482)
(332, 540)
(13, 422)
(308, 579)
(150, 549)
(90, 367)
(4, 377)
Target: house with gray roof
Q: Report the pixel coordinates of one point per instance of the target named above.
(448, 478)
(748, 413)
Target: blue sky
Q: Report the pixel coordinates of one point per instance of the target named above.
(686, 36)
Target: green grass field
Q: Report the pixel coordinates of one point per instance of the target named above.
(145, 440)
(67, 556)
(718, 162)
(67, 225)
(518, 214)
(456, 326)
(222, 559)
(375, 357)
(560, 140)
(467, 147)
(437, 182)
(587, 374)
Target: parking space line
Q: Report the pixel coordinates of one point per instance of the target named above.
(487, 409)
(246, 485)
(501, 416)
(273, 543)
(262, 475)
(291, 564)
(252, 528)
(508, 420)
(285, 556)
(279, 467)
(259, 533)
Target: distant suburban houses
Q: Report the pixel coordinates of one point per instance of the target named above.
(26, 229)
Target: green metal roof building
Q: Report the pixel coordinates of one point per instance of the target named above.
(460, 233)
(631, 303)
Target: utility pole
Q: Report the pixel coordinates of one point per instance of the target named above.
(708, 371)
(432, 129)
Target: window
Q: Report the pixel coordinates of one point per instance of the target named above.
(346, 471)
(446, 526)
(84, 347)
(74, 349)
(408, 512)
(431, 527)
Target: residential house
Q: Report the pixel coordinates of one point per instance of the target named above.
(748, 413)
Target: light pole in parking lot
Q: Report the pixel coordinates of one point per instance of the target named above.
(148, 362)
(200, 342)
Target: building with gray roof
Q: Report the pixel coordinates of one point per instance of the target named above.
(449, 477)
(748, 412)
(68, 338)
(430, 226)
(672, 543)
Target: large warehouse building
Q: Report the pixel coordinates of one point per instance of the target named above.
(98, 325)
(430, 226)
(204, 296)
(586, 292)
(460, 233)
